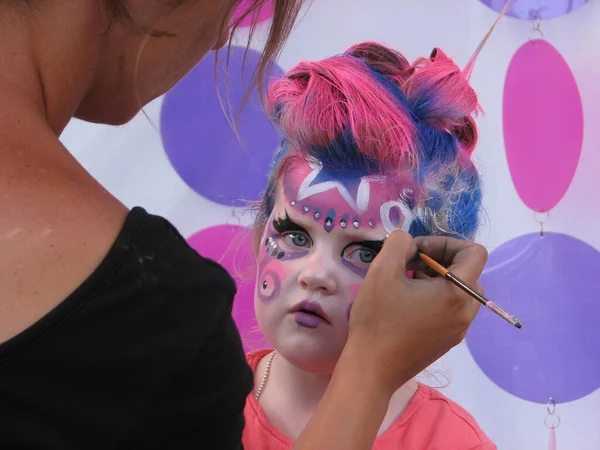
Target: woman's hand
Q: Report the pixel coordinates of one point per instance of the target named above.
(401, 325)
(398, 327)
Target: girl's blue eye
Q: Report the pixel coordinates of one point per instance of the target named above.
(366, 255)
(297, 239)
(360, 255)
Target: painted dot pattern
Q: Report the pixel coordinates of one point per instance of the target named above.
(271, 285)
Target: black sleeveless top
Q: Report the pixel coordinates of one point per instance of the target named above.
(143, 355)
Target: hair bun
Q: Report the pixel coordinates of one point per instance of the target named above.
(383, 60)
(466, 133)
(438, 90)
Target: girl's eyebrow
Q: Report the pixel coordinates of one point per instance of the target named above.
(285, 223)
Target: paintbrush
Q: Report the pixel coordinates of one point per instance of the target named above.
(442, 271)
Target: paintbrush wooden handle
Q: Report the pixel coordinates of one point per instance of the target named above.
(433, 264)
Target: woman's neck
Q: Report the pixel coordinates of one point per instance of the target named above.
(46, 68)
(290, 396)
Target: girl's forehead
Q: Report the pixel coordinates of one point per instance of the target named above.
(343, 201)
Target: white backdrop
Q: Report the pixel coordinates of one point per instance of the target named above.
(131, 162)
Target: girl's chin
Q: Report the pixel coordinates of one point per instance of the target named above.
(310, 355)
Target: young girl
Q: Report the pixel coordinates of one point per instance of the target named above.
(371, 144)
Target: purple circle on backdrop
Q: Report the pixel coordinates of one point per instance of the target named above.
(232, 247)
(551, 285)
(199, 140)
(526, 9)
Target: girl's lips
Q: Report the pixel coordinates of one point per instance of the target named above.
(308, 320)
(310, 309)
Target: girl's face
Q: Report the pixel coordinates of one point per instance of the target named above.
(313, 256)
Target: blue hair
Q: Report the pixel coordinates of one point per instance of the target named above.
(449, 200)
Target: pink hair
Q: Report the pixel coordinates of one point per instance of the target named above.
(373, 93)
(369, 110)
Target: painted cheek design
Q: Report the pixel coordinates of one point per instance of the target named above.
(360, 271)
(354, 289)
(274, 251)
(271, 270)
(270, 284)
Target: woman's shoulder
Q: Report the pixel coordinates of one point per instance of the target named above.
(152, 323)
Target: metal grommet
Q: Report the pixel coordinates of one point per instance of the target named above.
(552, 424)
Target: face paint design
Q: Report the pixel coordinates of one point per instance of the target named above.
(368, 202)
(396, 215)
(349, 203)
(354, 290)
(356, 192)
(360, 271)
(330, 220)
(309, 187)
(270, 286)
(344, 221)
(273, 251)
(271, 270)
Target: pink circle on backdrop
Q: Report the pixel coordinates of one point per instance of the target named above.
(231, 247)
(543, 124)
(263, 14)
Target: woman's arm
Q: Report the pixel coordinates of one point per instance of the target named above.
(398, 327)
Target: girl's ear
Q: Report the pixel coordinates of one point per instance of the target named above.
(259, 229)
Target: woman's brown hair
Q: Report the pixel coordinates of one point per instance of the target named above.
(284, 16)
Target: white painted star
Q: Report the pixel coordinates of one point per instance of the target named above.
(358, 204)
